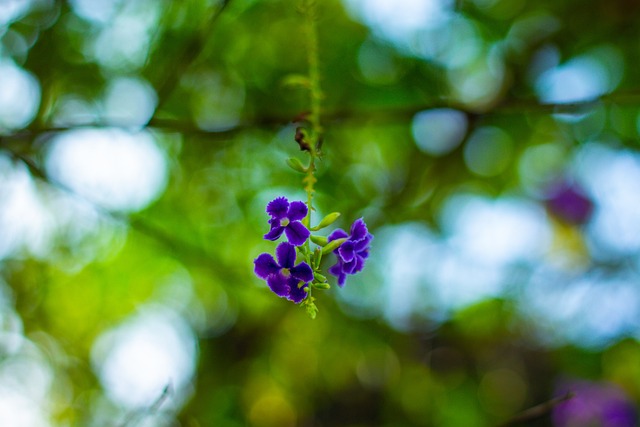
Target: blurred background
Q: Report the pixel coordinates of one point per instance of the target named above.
(491, 146)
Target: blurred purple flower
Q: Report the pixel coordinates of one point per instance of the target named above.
(594, 404)
(569, 203)
(283, 277)
(285, 218)
(353, 252)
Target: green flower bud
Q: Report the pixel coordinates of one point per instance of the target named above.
(333, 245)
(319, 240)
(296, 165)
(326, 221)
(323, 286)
(319, 277)
(317, 257)
(312, 311)
(310, 307)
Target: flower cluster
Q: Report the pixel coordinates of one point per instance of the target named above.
(569, 203)
(296, 268)
(283, 277)
(353, 252)
(594, 404)
(286, 218)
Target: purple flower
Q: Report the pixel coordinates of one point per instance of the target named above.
(285, 218)
(353, 252)
(283, 277)
(595, 403)
(569, 203)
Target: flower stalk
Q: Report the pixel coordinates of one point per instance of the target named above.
(296, 270)
(308, 9)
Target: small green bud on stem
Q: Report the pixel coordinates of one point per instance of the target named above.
(322, 286)
(317, 257)
(319, 240)
(319, 278)
(326, 221)
(296, 165)
(333, 245)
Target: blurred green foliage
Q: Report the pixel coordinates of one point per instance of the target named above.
(211, 75)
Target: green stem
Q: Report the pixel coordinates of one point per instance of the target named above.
(315, 93)
(315, 98)
(308, 8)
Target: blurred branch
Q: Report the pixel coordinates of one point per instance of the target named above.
(508, 106)
(131, 421)
(178, 247)
(537, 411)
(346, 117)
(168, 125)
(190, 53)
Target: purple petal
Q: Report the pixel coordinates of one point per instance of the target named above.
(363, 244)
(359, 265)
(278, 207)
(286, 254)
(346, 251)
(342, 279)
(296, 294)
(337, 234)
(278, 284)
(336, 270)
(359, 230)
(350, 267)
(296, 233)
(297, 211)
(569, 203)
(274, 222)
(274, 233)
(265, 266)
(302, 272)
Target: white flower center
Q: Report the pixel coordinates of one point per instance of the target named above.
(284, 222)
(285, 272)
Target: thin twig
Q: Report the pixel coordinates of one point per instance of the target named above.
(537, 411)
(190, 53)
(345, 117)
(131, 421)
(180, 248)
